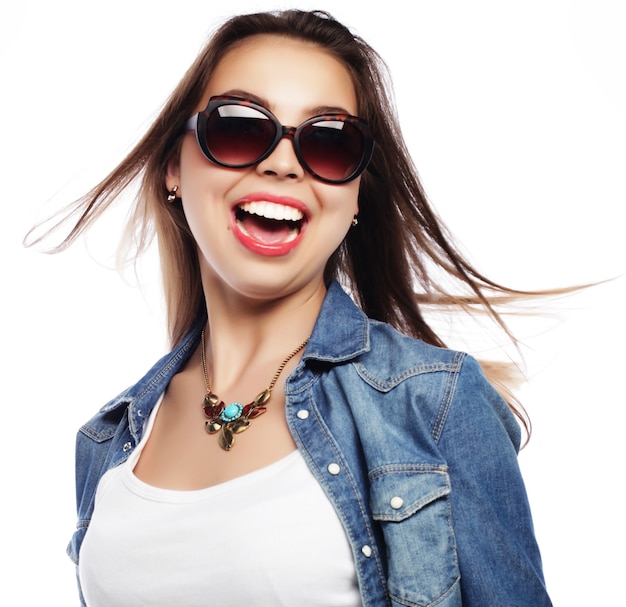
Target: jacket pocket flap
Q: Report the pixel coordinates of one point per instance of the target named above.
(398, 492)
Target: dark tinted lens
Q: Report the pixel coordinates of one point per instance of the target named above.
(238, 135)
(332, 148)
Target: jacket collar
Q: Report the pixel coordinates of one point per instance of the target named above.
(341, 331)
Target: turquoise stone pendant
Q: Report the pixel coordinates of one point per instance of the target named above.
(231, 412)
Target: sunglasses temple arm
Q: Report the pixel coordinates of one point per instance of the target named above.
(192, 123)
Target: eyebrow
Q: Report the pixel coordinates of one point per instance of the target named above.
(317, 110)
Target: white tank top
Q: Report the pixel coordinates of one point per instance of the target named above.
(268, 538)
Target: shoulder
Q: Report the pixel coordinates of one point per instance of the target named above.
(393, 357)
(444, 387)
(135, 403)
(390, 376)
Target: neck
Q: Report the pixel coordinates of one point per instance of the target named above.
(250, 336)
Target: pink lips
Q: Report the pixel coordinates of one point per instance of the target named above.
(253, 240)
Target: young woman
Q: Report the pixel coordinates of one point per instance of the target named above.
(299, 446)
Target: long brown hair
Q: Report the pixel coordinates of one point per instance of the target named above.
(400, 257)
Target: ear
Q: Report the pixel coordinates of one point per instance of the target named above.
(172, 175)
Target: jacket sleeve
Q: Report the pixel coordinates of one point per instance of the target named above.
(498, 555)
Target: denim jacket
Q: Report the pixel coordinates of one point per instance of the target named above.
(414, 448)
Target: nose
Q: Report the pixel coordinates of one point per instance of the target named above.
(283, 162)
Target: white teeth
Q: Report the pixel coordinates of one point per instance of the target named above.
(272, 210)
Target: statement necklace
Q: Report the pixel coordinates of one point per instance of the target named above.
(235, 418)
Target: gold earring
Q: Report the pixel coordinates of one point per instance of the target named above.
(171, 197)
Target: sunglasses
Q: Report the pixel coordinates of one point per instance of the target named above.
(238, 133)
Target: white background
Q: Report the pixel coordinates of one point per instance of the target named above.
(515, 115)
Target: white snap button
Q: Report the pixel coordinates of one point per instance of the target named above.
(367, 551)
(396, 502)
(302, 414)
(334, 469)
(127, 447)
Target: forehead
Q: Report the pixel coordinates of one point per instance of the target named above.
(288, 73)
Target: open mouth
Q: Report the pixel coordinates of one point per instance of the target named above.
(269, 223)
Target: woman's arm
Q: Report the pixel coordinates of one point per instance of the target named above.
(498, 555)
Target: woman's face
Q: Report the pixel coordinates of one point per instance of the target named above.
(236, 215)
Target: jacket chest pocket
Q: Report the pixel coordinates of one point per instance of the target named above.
(411, 503)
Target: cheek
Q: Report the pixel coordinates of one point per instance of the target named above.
(194, 169)
(339, 207)
(342, 200)
(202, 183)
